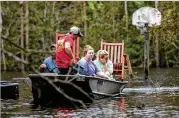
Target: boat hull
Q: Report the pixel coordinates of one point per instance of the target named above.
(52, 89)
(105, 88)
(60, 90)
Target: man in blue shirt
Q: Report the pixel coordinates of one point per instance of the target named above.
(49, 64)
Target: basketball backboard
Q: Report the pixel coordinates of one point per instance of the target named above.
(146, 16)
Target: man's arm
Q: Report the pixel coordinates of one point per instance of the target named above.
(68, 50)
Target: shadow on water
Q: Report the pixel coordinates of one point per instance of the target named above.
(157, 97)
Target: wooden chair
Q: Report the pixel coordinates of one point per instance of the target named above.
(60, 36)
(116, 55)
(127, 65)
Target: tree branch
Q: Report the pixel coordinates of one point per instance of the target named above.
(14, 56)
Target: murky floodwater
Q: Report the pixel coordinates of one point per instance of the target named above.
(158, 97)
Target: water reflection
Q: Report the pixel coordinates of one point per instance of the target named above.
(64, 112)
(120, 103)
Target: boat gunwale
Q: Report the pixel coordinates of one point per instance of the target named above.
(86, 77)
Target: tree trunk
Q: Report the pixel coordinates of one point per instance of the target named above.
(1, 41)
(162, 53)
(85, 20)
(53, 21)
(166, 58)
(27, 27)
(126, 16)
(53, 8)
(22, 33)
(156, 43)
(57, 20)
(0, 19)
(156, 4)
(113, 22)
(113, 27)
(177, 11)
(44, 32)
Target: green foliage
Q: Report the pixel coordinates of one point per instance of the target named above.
(105, 20)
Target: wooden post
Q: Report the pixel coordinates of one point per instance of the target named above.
(146, 55)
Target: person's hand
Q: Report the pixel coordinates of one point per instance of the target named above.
(43, 66)
(107, 73)
(73, 62)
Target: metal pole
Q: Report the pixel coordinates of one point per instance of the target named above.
(146, 55)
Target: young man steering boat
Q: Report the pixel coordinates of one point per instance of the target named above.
(49, 64)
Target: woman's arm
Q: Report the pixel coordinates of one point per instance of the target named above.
(102, 75)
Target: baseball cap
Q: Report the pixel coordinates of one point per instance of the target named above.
(52, 45)
(76, 30)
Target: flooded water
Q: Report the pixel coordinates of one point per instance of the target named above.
(158, 97)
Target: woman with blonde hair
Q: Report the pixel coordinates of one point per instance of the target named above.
(87, 67)
(103, 63)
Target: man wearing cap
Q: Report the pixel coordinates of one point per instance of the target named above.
(49, 64)
(65, 56)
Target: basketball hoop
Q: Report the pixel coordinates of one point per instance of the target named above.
(143, 28)
(143, 18)
(146, 17)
